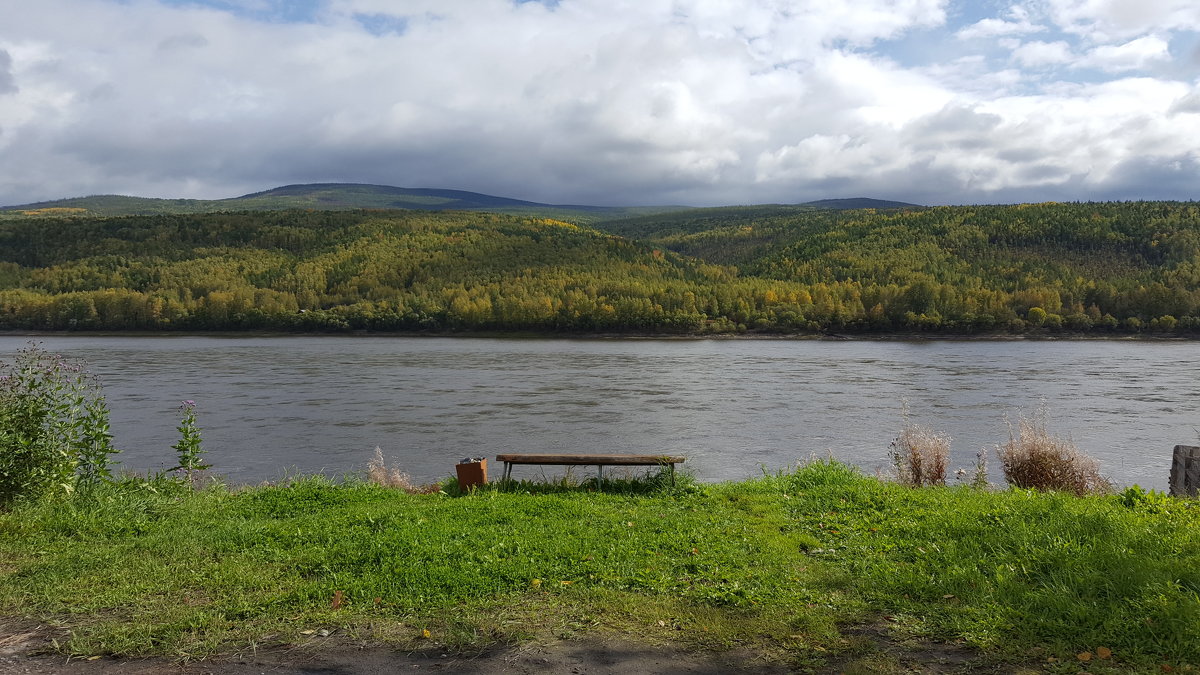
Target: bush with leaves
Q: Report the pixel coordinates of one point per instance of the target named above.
(54, 430)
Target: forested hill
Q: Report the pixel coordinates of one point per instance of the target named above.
(347, 196)
(1082, 266)
(343, 270)
(327, 197)
(1107, 268)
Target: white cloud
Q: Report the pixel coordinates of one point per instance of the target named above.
(589, 101)
(7, 85)
(1111, 20)
(1188, 103)
(1133, 55)
(1138, 54)
(1038, 54)
(985, 28)
(1018, 22)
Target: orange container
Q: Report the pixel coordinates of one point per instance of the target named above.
(471, 474)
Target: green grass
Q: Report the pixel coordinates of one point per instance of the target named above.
(786, 565)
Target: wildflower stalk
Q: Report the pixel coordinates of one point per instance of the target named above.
(188, 447)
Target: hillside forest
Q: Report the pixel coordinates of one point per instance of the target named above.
(1042, 269)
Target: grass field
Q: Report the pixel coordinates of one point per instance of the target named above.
(791, 566)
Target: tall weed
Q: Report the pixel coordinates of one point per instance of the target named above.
(1034, 458)
(379, 473)
(188, 448)
(919, 455)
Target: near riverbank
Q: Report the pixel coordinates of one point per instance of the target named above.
(811, 569)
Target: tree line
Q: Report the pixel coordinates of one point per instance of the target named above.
(1113, 267)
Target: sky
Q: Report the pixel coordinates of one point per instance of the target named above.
(607, 102)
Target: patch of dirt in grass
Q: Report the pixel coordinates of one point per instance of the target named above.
(592, 655)
(873, 648)
(16, 639)
(26, 649)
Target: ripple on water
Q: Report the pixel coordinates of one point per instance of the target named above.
(731, 406)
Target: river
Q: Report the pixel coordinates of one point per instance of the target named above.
(269, 407)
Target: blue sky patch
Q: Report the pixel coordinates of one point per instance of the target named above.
(274, 11)
(382, 24)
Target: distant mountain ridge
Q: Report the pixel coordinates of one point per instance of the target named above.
(433, 199)
(343, 196)
(860, 203)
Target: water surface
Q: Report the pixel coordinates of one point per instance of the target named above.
(272, 405)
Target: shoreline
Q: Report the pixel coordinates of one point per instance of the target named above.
(527, 335)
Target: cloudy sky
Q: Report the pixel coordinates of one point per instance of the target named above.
(698, 102)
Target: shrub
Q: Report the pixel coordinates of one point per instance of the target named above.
(919, 455)
(1152, 501)
(54, 432)
(1033, 458)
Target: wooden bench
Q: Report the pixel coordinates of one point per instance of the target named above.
(599, 461)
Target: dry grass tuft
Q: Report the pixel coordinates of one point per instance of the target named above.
(919, 455)
(379, 473)
(1033, 458)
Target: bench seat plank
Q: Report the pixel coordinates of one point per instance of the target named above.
(612, 460)
(599, 461)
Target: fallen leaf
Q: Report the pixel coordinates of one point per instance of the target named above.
(1103, 652)
(337, 599)
(1166, 668)
(93, 658)
(661, 622)
(630, 523)
(307, 632)
(536, 583)
(1084, 656)
(565, 583)
(426, 634)
(947, 596)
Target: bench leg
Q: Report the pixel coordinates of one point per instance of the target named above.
(672, 474)
(599, 475)
(507, 472)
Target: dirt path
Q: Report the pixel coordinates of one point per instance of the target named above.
(576, 657)
(26, 651)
